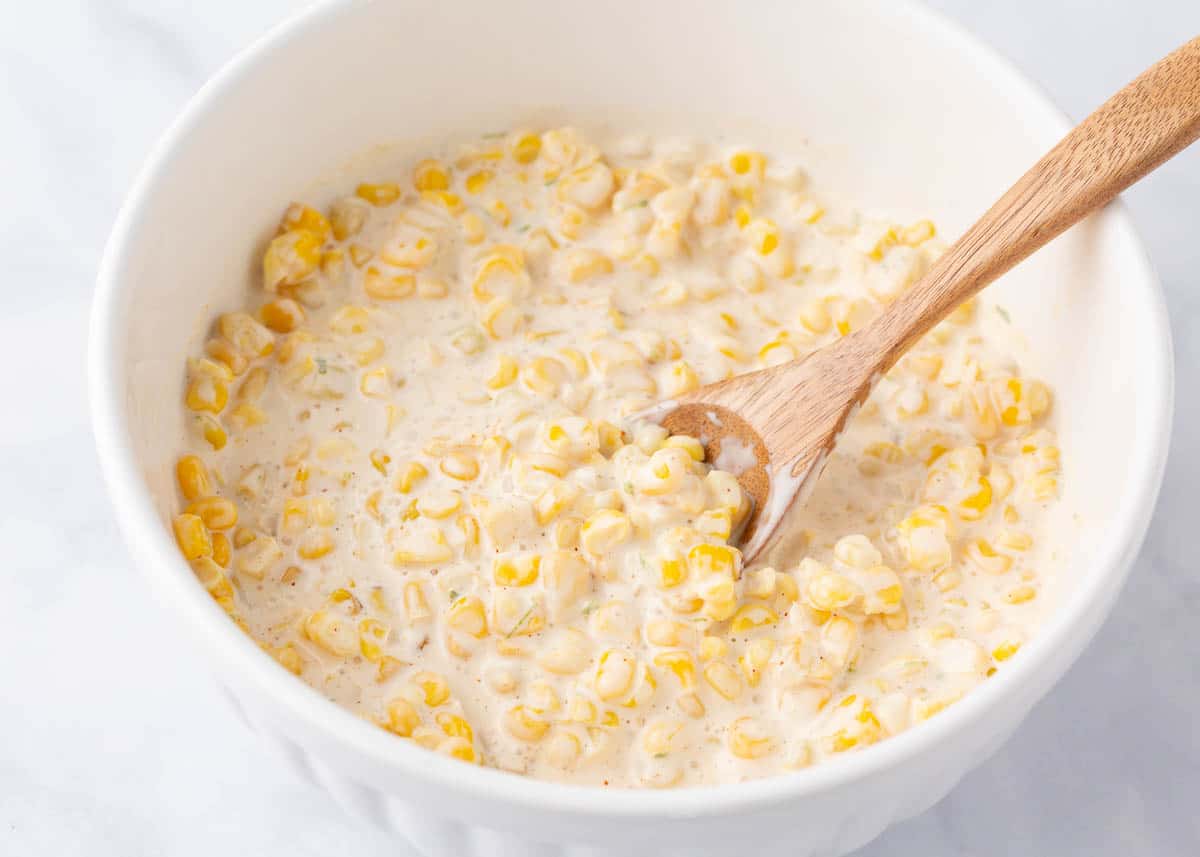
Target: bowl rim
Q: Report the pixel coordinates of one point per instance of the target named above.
(150, 543)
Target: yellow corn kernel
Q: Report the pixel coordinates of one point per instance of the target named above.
(282, 316)
(452, 202)
(415, 605)
(976, 505)
(615, 673)
(315, 544)
(384, 193)
(422, 548)
(350, 319)
(722, 560)
(763, 236)
(715, 523)
(682, 379)
(723, 678)
(347, 217)
(505, 374)
(755, 660)
(217, 513)
(224, 351)
(257, 556)
(554, 501)
(523, 724)
(713, 647)
(477, 181)
(918, 233)
(751, 616)
(192, 536)
(672, 572)
(544, 376)
(402, 717)
(524, 147)
(681, 664)
(207, 394)
(333, 265)
(605, 530)
(193, 478)
(383, 287)
(747, 740)
(658, 736)
(332, 631)
(291, 258)
(430, 175)
(947, 579)
(459, 465)
(520, 570)
(246, 335)
(1020, 594)
(814, 317)
(439, 506)
(301, 216)
(467, 615)
(585, 263)
(372, 635)
(665, 632)
(1006, 650)
(748, 164)
(981, 554)
(501, 319)
(473, 227)
(454, 726)
(222, 549)
(434, 687)
(213, 578)
(692, 446)
(409, 475)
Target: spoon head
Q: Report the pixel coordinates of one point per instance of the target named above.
(730, 444)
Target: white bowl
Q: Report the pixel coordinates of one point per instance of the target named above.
(907, 112)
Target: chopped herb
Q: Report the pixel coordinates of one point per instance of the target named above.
(322, 366)
(493, 135)
(1004, 313)
(453, 595)
(550, 182)
(642, 204)
(628, 487)
(589, 607)
(520, 622)
(523, 227)
(660, 755)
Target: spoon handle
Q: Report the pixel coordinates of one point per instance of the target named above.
(1136, 130)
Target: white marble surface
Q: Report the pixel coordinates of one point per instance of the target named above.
(112, 742)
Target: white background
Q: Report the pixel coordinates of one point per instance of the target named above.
(112, 742)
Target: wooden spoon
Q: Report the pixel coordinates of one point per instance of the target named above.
(776, 427)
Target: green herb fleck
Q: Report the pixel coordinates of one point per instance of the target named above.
(322, 366)
(523, 227)
(493, 135)
(550, 181)
(453, 595)
(589, 607)
(660, 755)
(1004, 313)
(642, 204)
(628, 487)
(520, 622)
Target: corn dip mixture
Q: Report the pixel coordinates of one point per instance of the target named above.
(412, 480)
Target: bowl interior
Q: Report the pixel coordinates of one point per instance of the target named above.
(885, 107)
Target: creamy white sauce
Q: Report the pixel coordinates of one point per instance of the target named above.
(549, 304)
